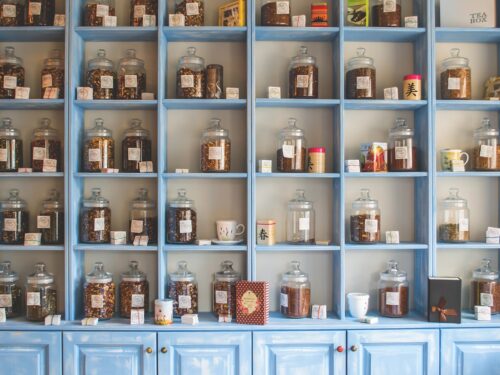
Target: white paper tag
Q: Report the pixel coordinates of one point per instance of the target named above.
(131, 80)
(5, 300)
(97, 301)
(3, 315)
(98, 224)
(389, 6)
(134, 154)
(95, 154)
(215, 153)
(32, 239)
(137, 300)
(453, 83)
(22, 93)
(147, 96)
(282, 7)
(3, 154)
(143, 240)
(139, 11)
(46, 80)
(185, 226)
(232, 93)
(43, 222)
(84, 93)
(304, 223)
(283, 299)
(302, 81)
(299, 21)
(38, 153)
(60, 20)
(148, 20)
(33, 299)
(184, 302)
(390, 93)
(9, 82)
(136, 226)
(145, 166)
(486, 299)
(220, 296)
(187, 81)
(487, 151)
(463, 225)
(371, 225)
(411, 22)
(137, 316)
(176, 20)
(274, 92)
(35, 9)
(192, 9)
(401, 153)
(10, 225)
(392, 237)
(288, 151)
(363, 83)
(457, 166)
(392, 298)
(9, 10)
(102, 10)
(106, 82)
(49, 165)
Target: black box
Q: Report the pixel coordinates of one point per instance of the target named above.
(445, 299)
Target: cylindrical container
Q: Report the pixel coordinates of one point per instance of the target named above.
(134, 290)
(365, 219)
(41, 294)
(11, 295)
(224, 290)
(402, 149)
(295, 296)
(53, 75)
(183, 290)
(456, 82)
(181, 219)
(14, 219)
(99, 293)
(319, 15)
(11, 73)
(393, 292)
(303, 76)
(266, 232)
(143, 218)
(131, 77)
(193, 10)
(136, 147)
(215, 81)
(164, 311)
(50, 222)
(140, 9)
(96, 10)
(361, 77)
(486, 148)
(95, 219)
(454, 218)
(191, 76)
(276, 13)
(11, 147)
(412, 87)
(301, 217)
(317, 160)
(386, 13)
(485, 287)
(11, 12)
(215, 148)
(101, 76)
(291, 149)
(98, 148)
(46, 149)
(40, 13)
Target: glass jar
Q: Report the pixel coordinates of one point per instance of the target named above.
(95, 219)
(131, 77)
(11, 295)
(303, 76)
(402, 150)
(183, 290)
(361, 77)
(99, 293)
(46, 149)
(41, 294)
(181, 219)
(486, 287)
(486, 149)
(11, 12)
(393, 292)
(136, 147)
(14, 219)
(134, 290)
(276, 13)
(191, 76)
(96, 10)
(11, 73)
(143, 218)
(456, 77)
(300, 220)
(295, 296)
(365, 219)
(11, 147)
(50, 222)
(454, 218)
(101, 76)
(53, 76)
(143, 12)
(215, 148)
(386, 13)
(291, 149)
(98, 148)
(40, 13)
(224, 287)
(193, 10)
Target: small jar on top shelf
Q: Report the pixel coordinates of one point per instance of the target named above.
(276, 13)
(303, 76)
(143, 218)
(301, 220)
(11, 73)
(101, 76)
(11, 294)
(191, 76)
(386, 13)
(96, 10)
(14, 219)
(40, 12)
(95, 219)
(486, 147)
(215, 148)
(393, 292)
(183, 290)
(99, 293)
(485, 287)
(295, 296)
(53, 76)
(402, 149)
(136, 147)
(143, 12)
(365, 219)
(50, 221)
(11, 147)
(456, 81)
(46, 149)
(454, 218)
(291, 149)
(193, 11)
(131, 76)
(224, 290)
(134, 290)
(361, 77)
(181, 219)
(12, 12)
(98, 148)
(41, 294)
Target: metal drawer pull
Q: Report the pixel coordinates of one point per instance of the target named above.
(164, 350)
(149, 350)
(354, 348)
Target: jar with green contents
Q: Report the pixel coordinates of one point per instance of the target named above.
(41, 294)
(11, 295)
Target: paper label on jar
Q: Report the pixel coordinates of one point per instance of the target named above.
(131, 80)
(401, 153)
(49, 165)
(302, 81)
(283, 299)
(46, 80)
(35, 9)
(389, 6)
(288, 151)
(487, 151)
(9, 82)
(371, 226)
(33, 299)
(453, 83)
(139, 11)
(9, 10)
(282, 7)
(3, 154)
(10, 225)
(106, 82)
(463, 225)
(304, 223)
(184, 302)
(137, 300)
(215, 153)
(392, 298)
(136, 226)
(486, 299)
(5, 300)
(98, 224)
(185, 226)
(363, 83)
(95, 154)
(102, 10)
(43, 222)
(187, 81)
(221, 296)
(38, 153)
(192, 9)
(97, 301)
(134, 154)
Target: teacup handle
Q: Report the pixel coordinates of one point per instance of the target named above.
(238, 232)
(463, 153)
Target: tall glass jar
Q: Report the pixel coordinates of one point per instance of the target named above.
(386, 13)
(40, 12)
(365, 219)
(131, 77)
(50, 222)
(41, 294)
(486, 147)
(96, 10)
(11, 73)
(454, 218)
(402, 149)
(303, 76)
(134, 290)
(46, 149)
(276, 13)
(11, 295)
(191, 76)
(14, 219)
(53, 75)
(101, 76)
(98, 148)
(291, 149)
(136, 147)
(181, 219)
(95, 219)
(295, 296)
(486, 287)
(11, 12)
(11, 147)
(361, 77)
(99, 293)
(193, 10)
(300, 220)
(456, 82)
(215, 148)
(143, 218)
(224, 290)
(143, 12)
(183, 290)
(393, 292)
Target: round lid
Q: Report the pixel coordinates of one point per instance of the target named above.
(136, 130)
(100, 61)
(227, 273)
(98, 130)
(142, 200)
(191, 58)
(292, 129)
(40, 276)
(320, 150)
(401, 129)
(300, 202)
(6, 274)
(130, 59)
(295, 274)
(133, 273)
(360, 59)
(486, 129)
(9, 57)
(182, 273)
(303, 58)
(365, 201)
(13, 201)
(53, 201)
(453, 200)
(98, 275)
(55, 59)
(485, 272)
(96, 200)
(45, 130)
(393, 273)
(215, 130)
(182, 200)
(417, 77)
(455, 59)
(7, 130)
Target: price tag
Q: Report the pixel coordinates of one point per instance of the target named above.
(274, 92)
(401, 153)
(184, 302)
(453, 83)
(389, 6)
(136, 226)
(35, 9)
(220, 296)
(371, 225)
(97, 301)
(102, 10)
(139, 11)
(187, 81)
(147, 96)
(363, 83)
(391, 93)
(392, 237)
(46, 80)
(232, 93)
(137, 300)
(145, 166)
(486, 299)
(192, 9)
(32, 239)
(38, 153)
(3, 154)
(3, 315)
(33, 299)
(51, 93)
(288, 151)
(176, 20)
(304, 223)
(60, 20)
(411, 22)
(392, 298)
(43, 222)
(283, 299)
(22, 93)
(215, 153)
(134, 154)
(9, 82)
(185, 226)
(9, 11)
(137, 316)
(10, 225)
(282, 7)
(457, 166)
(130, 80)
(149, 20)
(463, 225)
(109, 21)
(5, 300)
(95, 155)
(106, 82)
(487, 151)
(84, 93)
(99, 224)
(302, 81)
(299, 21)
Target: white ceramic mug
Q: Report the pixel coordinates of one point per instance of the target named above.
(227, 230)
(358, 304)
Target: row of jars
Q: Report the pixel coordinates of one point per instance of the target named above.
(142, 12)
(27, 12)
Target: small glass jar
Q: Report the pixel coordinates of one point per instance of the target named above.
(11, 147)
(41, 294)
(183, 290)
(99, 293)
(98, 148)
(486, 149)
(50, 222)
(46, 149)
(131, 77)
(456, 79)
(40, 12)
(53, 76)
(361, 77)
(303, 76)
(300, 220)
(136, 147)
(95, 219)
(291, 149)
(386, 13)
(14, 219)
(295, 296)
(181, 219)
(134, 290)
(402, 149)
(11, 12)
(224, 287)
(454, 219)
(193, 10)
(215, 148)
(365, 219)
(191, 76)
(143, 218)
(11, 73)
(143, 12)
(96, 10)
(11, 295)
(486, 287)
(276, 13)
(393, 292)
(101, 76)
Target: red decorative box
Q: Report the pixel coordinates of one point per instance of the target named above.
(252, 302)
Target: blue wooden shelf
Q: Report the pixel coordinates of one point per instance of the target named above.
(31, 175)
(385, 175)
(204, 248)
(204, 175)
(116, 104)
(377, 104)
(32, 34)
(116, 175)
(466, 245)
(117, 34)
(284, 247)
(296, 103)
(22, 104)
(468, 174)
(31, 248)
(299, 34)
(467, 35)
(468, 105)
(298, 175)
(382, 34)
(205, 103)
(205, 34)
(386, 246)
(109, 247)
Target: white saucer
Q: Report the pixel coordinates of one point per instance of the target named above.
(233, 242)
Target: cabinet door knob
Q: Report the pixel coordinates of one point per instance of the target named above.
(149, 350)
(164, 350)
(340, 348)
(354, 348)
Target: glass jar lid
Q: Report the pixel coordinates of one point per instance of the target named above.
(292, 130)
(13, 201)
(54, 201)
(40, 276)
(6, 130)
(9, 57)
(6, 274)
(182, 273)
(182, 201)
(133, 274)
(55, 60)
(227, 273)
(215, 129)
(191, 58)
(100, 61)
(96, 200)
(130, 59)
(45, 130)
(136, 129)
(295, 274)
(393, 273)
(455, 60)
(142, 200)
(303, 57)
(98, 275)
(360, 60)
(401, 129)
(300, 201)
(453, 200)
(98, 130)
(365, 201)
(486, 129)
(485, 272)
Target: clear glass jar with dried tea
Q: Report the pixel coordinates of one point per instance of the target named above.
(143, 218)
(303, 76)
(101, 76)
(224, 290)
(365, 219)
(402, 149)
(193, 10)
(11, 294)
(96, 10)
(98, 148)
(131, 76)
(143, 12)
(361, 77)
(136, 147)
(181, 219)
(14, 219)
(486, 147)
(50, 221)
(183, 290)
(386, 13)
(276, 13)
(454, 218)
(295, 292)
(11, 73)
(191, 76)
(485, 287)
(99, 293)
(46, 149)
(11, 147)
(393, 292)
(291, 149)
(11, 12)
(300, 220)
(215, 148)
(53, 76)
(95, 219)
(134, 290)
(40, 12)
(41, 294)
(456, 81)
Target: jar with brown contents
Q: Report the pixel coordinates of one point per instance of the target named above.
(300, 220)
(295, 296)
(101, 76)
(99, 293)
(183, 290)
(131, 77)
(387, 13)
(454, 218)
(365, 219)
(224, 290)
(40, 13)
(486, 149)
(95, 219)
(11, 73)
(276, 13)
(50, 222)
(136, 147)
(143, 218)
(46, 149)
(181, 219)
(143, 12)
(11, 12)
(53, 75)
(215, 148)
(98, 148)
(11, 147)
(393, 292)
(402, 150)
(14, 219)
(361, 77)
(193, 10)
(96, 10)
(456, 82)
(191, 76)
(291, 154)
(134, 290)
(11, 295)
(485, 287)
(41, 294)
(303, 76)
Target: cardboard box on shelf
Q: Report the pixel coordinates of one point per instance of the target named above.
(467, 13)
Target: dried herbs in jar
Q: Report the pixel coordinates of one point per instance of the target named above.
(11, 295)
(14, 219)
(46, 149)
(295, 293)
(181, 220)
(40, 12)
(98, 148)
(365, 219)
(486, 149)
(387, 13)
(11, 147)
(361, 81)
(134, 290)
(485, 287)
(303, 76)
(224, 290)
(11, 73)
(456, 81)
(11, 12)
(191, 76)
(96, 10)
(101, 76)
(143, 12)
(291, 154)
(41, 294)
(276, 13)
(143, 218)
(53, 76)
(454, 218)
(193, 10)
(183, 290)
(393, 292)
(215, 148)
(136, 147)
(131, 77)
(99, 293)
(95, 219)
(50, 222)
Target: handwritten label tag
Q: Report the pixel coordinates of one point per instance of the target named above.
(95, 155)
(46, 80)
(134, 154)
(184, 302)
(176, 20)
(22, 93)
(51, 93)
(299, 21)
(146, 166)
(147, 96)
(9, 225)
(3, 154)
(185, 226)
(363, 83)
(32, 239)
(60, 20)
(411, 22)
(109, 21)
(274, 92)
(137, 300)
(43, 222)
(97, 301)
(84, 93)
(389, 6)
(49, 165)
(288, 151)
(149, 20)
(106, 82)
(136, 226)
(487, 151)
(139, 11)
(453, 83)
(187, 81)
(38, 153)
(283, 299)
(220, 296)
(9, 11)
(99, 224)
(5, 300)
(232, 93)
(392, 298)
(131, 80)
(282, 7)
(371, 225)
(304, 223)
(215, 153)
(192, 9)
(34, 9)
(302, 81)
(392, 237)
(391, 93)
(457, 166)
(3, 315)
(9, 82)
(33, 299)
(137, 316)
